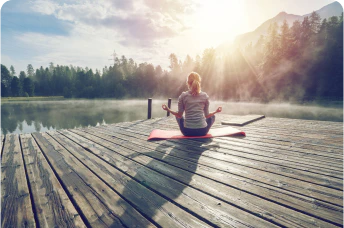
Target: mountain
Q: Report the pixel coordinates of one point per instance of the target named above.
(333, 9)
(246, 38)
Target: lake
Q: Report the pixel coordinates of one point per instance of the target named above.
(40, 116)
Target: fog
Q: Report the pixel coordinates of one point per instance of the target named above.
(40, 116)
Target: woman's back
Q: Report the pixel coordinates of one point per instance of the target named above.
(196, 107)
(195, 104)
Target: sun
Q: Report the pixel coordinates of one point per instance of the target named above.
(220, 20)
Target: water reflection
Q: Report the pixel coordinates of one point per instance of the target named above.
(40, 116)
(25, 117)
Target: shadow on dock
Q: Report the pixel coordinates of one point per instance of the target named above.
(168, 188)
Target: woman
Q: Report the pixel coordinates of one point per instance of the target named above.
(195, 103)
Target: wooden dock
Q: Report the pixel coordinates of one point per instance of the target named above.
(284, 173)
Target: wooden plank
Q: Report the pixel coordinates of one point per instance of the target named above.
(296, 143)
(301, 175)
(242, 198)
(292, 184)
(334, 155)
(254, 141)
(333, 140)
(298, 125)
(270, 127)
(95, 201)
(296, 138)
(242, 120)
(285, 132)
(146, 201)
(52, 205)
(170, 122)
(296, 159)
(283, 152)
(197, 202)
(254, 134)
(239, 147)
(16, 207)
(279, 183)
(289, 145)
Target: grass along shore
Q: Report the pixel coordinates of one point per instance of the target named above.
(38, 98)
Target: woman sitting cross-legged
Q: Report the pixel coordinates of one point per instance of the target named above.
(195, 103)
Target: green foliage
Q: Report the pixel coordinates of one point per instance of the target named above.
(5, 91)
(22, 76)
(67, 92)
(28, 86)
(16, 87)
(30, 71)
(13, 72)
(5, 76)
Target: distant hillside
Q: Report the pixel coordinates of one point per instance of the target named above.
(333, 9)
(246, 38)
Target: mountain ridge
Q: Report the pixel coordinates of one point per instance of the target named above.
(332, 9)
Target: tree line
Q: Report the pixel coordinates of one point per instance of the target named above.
(303, 61)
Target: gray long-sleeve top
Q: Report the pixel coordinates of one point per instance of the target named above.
(196, 107)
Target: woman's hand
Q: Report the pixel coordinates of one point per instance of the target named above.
(219, 109)
(164, 107)
(177, 114)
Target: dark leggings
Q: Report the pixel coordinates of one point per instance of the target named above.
(195, 132)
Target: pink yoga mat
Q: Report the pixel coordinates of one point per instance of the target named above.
(216, 132)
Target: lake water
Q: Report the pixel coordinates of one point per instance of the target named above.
(40, 116)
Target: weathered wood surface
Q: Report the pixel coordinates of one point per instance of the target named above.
(16, 207)
(100, 205)
(285, 172)
(52, 205)
(293, 185)
(201, 204)
(146, 201)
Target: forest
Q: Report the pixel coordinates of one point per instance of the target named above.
(298, 62)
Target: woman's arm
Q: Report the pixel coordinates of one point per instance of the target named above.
(219, 109)
(177, 114)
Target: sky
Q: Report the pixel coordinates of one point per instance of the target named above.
(86, 33)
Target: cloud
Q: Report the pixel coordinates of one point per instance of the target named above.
(85, 33)
(136, 22)
(44, 7)
(123, 5)
(139, 30)
(83, 50)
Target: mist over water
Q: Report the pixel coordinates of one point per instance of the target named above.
(40, 116)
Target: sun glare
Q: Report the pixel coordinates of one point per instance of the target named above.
(221, 20)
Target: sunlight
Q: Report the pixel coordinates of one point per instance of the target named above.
(221, 20)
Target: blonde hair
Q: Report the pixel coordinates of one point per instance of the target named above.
(194, 83)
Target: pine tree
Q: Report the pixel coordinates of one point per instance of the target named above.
(315, 22)
(285, 40)
(271, 57)
(28, 86)
(5, 77)
(16, 87)
(30, 71)
(13, 72)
